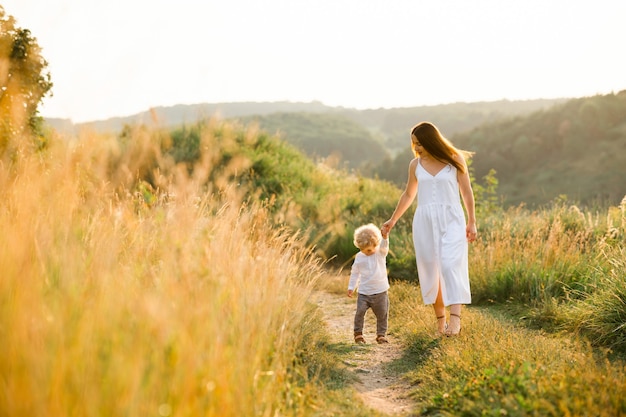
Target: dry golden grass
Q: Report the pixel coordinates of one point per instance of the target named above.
(112, 306)
(534, 257)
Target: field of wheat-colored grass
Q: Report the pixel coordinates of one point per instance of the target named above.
(111, 304)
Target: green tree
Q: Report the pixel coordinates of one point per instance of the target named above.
(24, 82)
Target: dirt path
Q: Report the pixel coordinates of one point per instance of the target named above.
(378, 388)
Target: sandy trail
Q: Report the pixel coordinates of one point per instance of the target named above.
(379, 389)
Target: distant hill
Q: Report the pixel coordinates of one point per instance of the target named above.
(354, 138)
(190, 113)
(342, 142)
(391, 125)
(576, 149)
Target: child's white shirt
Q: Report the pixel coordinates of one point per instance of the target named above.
(370, 272)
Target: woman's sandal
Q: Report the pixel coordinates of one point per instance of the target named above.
(381, 339)
(359, 339)
(448, 331)
(445, 325)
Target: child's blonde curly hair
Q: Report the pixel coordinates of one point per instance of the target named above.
(367, 235)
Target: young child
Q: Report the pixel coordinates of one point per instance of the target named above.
(369, 272)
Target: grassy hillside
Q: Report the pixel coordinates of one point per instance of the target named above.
(324, 203)
(170, 272)
(549, 263)
(512, 261)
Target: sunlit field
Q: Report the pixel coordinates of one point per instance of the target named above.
(564, 267)
(178, 271)
(497, 367)
(159, 273)
(112, 303)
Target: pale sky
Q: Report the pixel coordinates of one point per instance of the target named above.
(120, 57)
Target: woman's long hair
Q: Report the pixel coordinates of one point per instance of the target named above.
(437, 145)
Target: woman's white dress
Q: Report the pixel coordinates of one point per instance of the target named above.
(439, 237)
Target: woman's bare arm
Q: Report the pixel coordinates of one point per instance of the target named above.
(467, 194)
(406, 198)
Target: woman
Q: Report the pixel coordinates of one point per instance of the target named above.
(440, 233)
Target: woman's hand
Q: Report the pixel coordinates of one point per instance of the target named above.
(471, 232)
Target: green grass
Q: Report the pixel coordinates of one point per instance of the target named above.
(498, 367)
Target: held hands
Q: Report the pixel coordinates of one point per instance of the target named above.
(386, 228)
(470, 230)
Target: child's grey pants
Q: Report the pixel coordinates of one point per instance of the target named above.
(379, 303)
